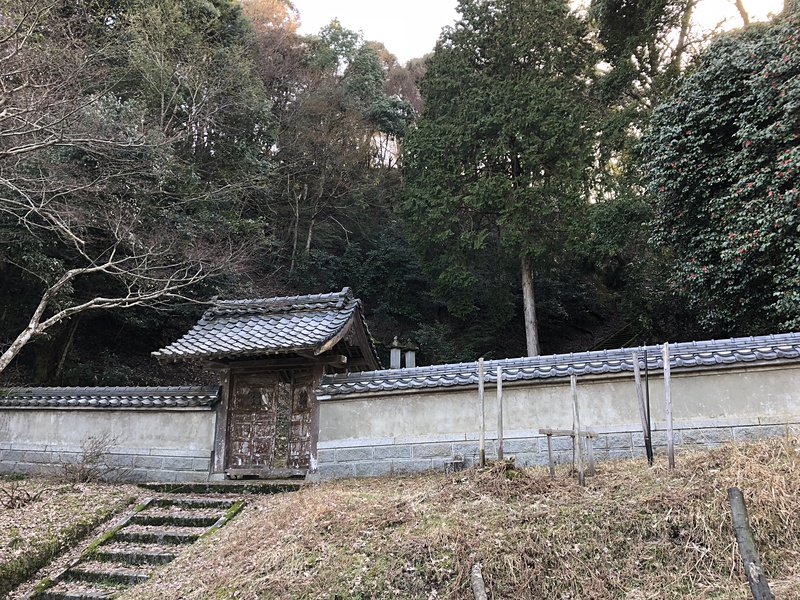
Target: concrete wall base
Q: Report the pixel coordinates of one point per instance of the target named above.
(129, 465)
(377, 458)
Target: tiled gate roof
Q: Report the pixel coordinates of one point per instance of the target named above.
(246, 328)
(109, 397)
(682, 355)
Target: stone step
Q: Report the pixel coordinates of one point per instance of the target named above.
(158, 536)
(113, 573)
(69, 590)
(135, 556)
(221, 503)
(80, 595)
(180, 519)
(152, 534)
(241, 486)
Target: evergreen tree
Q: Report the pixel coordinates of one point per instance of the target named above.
(495, 168)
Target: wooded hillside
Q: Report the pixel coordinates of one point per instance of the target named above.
(154, 155)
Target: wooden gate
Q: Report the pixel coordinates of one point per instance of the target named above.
(269, 427)
(300, 431)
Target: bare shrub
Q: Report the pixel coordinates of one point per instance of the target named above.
(93, 463)
(15, 495)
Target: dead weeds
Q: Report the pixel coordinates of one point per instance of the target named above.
(633, 532)
(52, 516)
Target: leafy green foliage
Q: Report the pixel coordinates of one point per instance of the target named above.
(222, 128)
(494, 169)
(335, 47)
(384, 272)
(721, 160)
(634, 37)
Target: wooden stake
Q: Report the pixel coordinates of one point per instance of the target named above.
(477, 583)
(637, 376)
(499, 413)
(550, 455)
(747, 546)
(668, 396)
(482, 448)
(573, 379)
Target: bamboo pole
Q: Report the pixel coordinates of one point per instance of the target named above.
(573, 380)
(499, 413)
(637, 376)
(747, 546)
(668, 396)
(482, 448)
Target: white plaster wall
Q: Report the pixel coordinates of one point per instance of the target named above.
(607, 403)
(188, 431)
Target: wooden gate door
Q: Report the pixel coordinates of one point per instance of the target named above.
(300, 432)
(269, 427)
(257, 403)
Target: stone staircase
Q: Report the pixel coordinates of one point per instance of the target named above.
(150, 535)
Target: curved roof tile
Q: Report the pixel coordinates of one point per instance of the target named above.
(238, 328)
(109, 397)
(682, 355)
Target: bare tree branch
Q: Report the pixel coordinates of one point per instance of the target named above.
(742, 12)
(80, 182)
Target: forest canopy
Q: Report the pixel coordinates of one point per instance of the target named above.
(156, 154)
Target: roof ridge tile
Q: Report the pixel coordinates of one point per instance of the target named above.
(105, 397)
(682, 354)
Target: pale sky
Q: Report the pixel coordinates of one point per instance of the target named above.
(409, 29)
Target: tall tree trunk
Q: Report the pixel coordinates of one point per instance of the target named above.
(297, 196)
(58, 380)
(683, 36)
(529, 304)
(315, 210)
(742, 12)
(310, 231)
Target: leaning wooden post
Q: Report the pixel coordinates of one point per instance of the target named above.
(478, 585)
(637, 377)
(573, 380)
(482, 448)
(668, 396)
(499, 413)
(747, 546)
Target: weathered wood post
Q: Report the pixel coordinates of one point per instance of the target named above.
(499, 413)
(637, 377)
(478, 585)
(747, 546)
(573, 380)
(590, 452)
(482, 447)
(668, 396)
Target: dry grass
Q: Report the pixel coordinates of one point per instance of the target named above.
(41, 517)
(634, 532)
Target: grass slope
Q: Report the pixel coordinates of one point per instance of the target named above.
(41, 517)
(634, 532)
